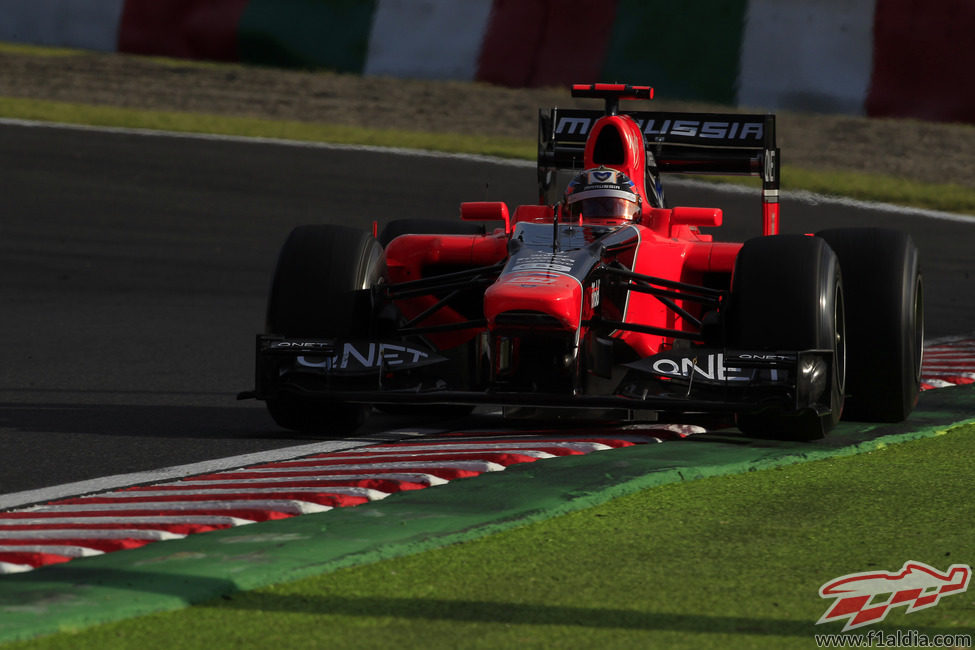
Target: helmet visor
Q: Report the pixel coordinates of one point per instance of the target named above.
(605, 207)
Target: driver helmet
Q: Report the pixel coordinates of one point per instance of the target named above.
(602, 193)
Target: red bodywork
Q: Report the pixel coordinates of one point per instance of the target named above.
(666, 244)
(539, 311)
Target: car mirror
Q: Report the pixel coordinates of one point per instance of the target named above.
(486, 211)
(685, 216)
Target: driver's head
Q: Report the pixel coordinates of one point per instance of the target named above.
(601, 193)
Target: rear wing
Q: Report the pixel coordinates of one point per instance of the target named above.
(685, 143)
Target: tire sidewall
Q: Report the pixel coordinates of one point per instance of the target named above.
(885, 308)
(787, 295)
(322, 283)
(322, 288)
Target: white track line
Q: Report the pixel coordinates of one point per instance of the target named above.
(147, 520)
(965, 340)
(802, 196)
(812, 198)
(421, 479)
(462, 446)
(469, 465)
(86, 533)
(937, 383)
(281, 142)
(288, 506)
(459, 453)
(368, 493)
(52, 549)
(57, 492)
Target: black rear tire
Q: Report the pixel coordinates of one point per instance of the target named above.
(885, 321)
(321, 289)
(787, 294)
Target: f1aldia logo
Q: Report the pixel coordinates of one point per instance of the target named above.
(866, 598)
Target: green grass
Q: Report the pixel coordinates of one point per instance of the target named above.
(38, 50)
(734, 561)
(874, 187)
(112, 116)
(727, 562)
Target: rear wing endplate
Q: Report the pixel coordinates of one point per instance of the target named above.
(676, 142)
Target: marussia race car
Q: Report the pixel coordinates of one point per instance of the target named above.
(601, 298)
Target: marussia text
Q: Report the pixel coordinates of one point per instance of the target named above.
(712, 130)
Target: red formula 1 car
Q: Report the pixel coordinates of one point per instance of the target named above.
(601, 297)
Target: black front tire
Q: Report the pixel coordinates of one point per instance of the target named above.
(885, 321)
(315, 416)
(322, 289)
(398, 227)
(788, 294)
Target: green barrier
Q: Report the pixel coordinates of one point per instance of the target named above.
(306, 33)
(171, 575)
(683, 53)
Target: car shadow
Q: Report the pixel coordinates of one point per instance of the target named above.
(55, 443)
(507, 613)
(125, 420)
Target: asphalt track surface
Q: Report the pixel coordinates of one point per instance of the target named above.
(135, 270)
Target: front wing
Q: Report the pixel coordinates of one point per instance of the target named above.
(706, 380)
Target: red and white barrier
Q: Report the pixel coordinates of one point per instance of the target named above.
(902, 58)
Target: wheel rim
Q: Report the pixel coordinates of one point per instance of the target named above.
(918, 324)
(839, 337)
